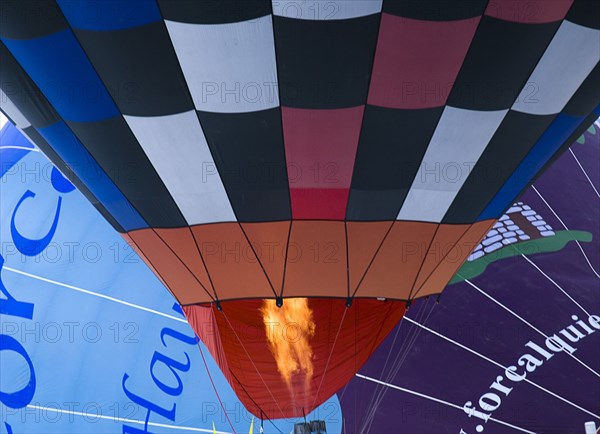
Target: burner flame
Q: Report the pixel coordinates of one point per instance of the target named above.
(289, 329)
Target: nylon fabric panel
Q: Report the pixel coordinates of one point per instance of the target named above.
(442, 247)
(109, 15)
(11, 110)
(206, 328)
(58, 59)
(435, 10)
(139, 252)
(390, 260)
(177, 148)
(74, 154)
(118, 153)
(250, 157)
(392, 145)
(312, 55)
(29, 135)
(510, 144)
(419, 74)
(319, 203)
(231, 262)
(15, 145)
(586, 97)
(28, 101)
(183, 245)
(585, 13)
(560, 129)
(449, 265)
(316, 260)
(397, 263)
(30, 19)
(240, 331)
(49, 151)
(530, 12)
(184, 286)
(23, 93)
(331, 10)
(501, 57)
(570, 57)
(213, 11)
(457, 143)
(241, 75)
(269, 242)
(30, 104)
(320, 147)
(139, 68)
(364, 239)
(588, 121)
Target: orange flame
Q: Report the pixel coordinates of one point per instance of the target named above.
(289, 329)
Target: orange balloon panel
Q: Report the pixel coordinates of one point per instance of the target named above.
(397, 260)
(319, 344)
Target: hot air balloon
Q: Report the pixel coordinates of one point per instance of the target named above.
(90, 341)
(296, 174)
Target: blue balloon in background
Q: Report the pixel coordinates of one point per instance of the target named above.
(91, 340)
(60, 183)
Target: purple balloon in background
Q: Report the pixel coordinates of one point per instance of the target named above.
(444, 368)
